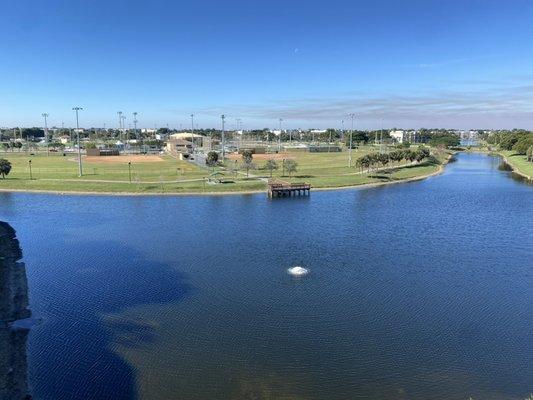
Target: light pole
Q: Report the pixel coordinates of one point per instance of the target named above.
(45, 115)
(279, 137)
(119, 113)
(192, 131)
(80, 167)
(352, 116)
(381, 138)
(135, 130)
(223, 117)
(342, 130)
(239, 128)
(124, 132)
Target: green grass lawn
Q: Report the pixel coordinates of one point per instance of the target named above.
(60, 173)
(332, 170)
(519, 162)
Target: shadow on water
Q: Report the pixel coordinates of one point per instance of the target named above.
(13, 307)
(76, 340)
(503, 166)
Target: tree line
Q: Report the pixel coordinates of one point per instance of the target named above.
(519, 141)
(375, 160)
(288, 166)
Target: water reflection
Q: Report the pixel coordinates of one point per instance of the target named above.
(503, 166)
(13, 307)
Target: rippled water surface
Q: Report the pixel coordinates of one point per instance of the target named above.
(415, 291)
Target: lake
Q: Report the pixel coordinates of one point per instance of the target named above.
(421, 290)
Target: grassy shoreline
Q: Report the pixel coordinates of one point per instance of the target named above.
(57, 175)
(518, 163)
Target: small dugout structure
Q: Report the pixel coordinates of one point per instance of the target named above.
(96, 152)
(287, 189)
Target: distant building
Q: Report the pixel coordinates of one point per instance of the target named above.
(180, 147)
(194, 138)
(64, 139)
(399, 136)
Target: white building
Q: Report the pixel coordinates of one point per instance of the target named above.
(399, 136)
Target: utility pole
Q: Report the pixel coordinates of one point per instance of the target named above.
(223, 117)
(352, 116)
(342, 130)
(45, 115)
(80, 167)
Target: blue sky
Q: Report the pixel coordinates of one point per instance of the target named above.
(410, 63)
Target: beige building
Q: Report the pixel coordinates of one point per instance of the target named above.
(194, 138)
(181, 147)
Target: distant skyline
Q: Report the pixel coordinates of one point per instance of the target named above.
(411, 64)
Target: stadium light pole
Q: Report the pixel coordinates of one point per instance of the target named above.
(279, 137)
(223, 117)
(352, 116)
(80, 167)
(135, 113)
(192, 131)
(381, 138)
(125, 132)
(46, 115)
(119, 113)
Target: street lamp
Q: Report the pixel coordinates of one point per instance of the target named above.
(45, 115)
(80, 167)
(223, 117)
(352, 117)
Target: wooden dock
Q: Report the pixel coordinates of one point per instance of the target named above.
(278, 188)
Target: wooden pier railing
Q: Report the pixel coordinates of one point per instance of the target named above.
(278, 188)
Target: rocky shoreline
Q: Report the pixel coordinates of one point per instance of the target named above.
(13, 306)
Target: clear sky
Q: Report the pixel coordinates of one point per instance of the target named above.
(412, 63)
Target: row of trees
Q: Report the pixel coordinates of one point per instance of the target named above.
(518, 141)
(247, 163)
(11, 146)
(376, 160)
(288, 166)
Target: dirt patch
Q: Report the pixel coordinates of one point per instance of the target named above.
(134, 158)
(264, 157)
